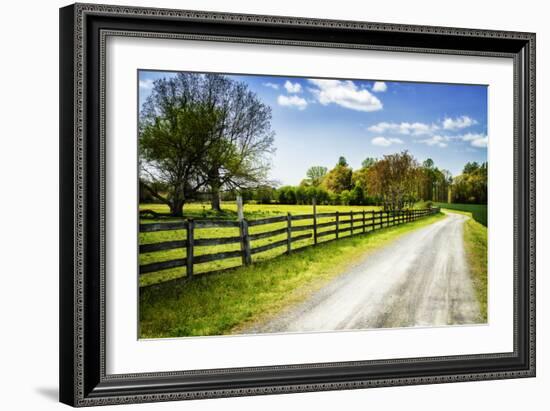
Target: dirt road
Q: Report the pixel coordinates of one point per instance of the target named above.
(421, 279)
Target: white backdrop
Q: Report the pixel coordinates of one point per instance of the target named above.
(29, 206)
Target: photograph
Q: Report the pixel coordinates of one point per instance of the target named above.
(271, 204)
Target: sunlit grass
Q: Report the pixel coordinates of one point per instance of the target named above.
(251, 211)
(475, 243)
(226, 302)
(477, 211)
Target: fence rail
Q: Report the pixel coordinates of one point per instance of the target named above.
(355, 223)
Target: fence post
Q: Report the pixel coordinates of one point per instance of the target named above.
(243, 231)
(337, 223)
(387, 218)
(364, 222)
(381, 220)
(314, 201)
(288, 233)
(245, 242)
(351, 223)
(372, 221)
(240, 211)
(190, 246)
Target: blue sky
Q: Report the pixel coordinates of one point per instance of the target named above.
(317, 120)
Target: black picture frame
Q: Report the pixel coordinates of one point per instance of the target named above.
(83, 29)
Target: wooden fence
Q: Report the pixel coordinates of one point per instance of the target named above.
(355, 222)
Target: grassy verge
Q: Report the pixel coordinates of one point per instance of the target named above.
(222, 303)
(477, 211)
(475, 243)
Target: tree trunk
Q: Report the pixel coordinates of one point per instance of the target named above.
(176, 208)
(215, 201)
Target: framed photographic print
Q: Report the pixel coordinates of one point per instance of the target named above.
(260, 204)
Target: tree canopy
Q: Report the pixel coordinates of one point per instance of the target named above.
(396, 181)
(315, 175)
(394, 178)
(339, 178)
(203, 132)
(471, 185)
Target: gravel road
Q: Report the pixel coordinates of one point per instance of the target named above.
(421, 279)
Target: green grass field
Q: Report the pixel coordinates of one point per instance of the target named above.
(226, 302)
(475, 243)
(251, 211)
(478, 211)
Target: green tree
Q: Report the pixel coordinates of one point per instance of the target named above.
(394, 179)
(368, 162)
(339, 178)
(471, 185)
(470, 167)
(301, 195)
(357, 196)
(345, 197)
(315, 175)
(264, 194)
(220, 131)
(360, 178)
(428, 163)
(286, 195)
(170, 147)
(342, 161)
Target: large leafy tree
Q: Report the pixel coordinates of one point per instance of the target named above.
(339, 178)
(359, 178)
(368, 162)
(394, 180)
(315, 175)
(216, 136)
(471, 185)
(171, 147)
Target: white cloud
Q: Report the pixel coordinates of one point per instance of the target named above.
(146, 84)
(439, 141)
(379, 87)
(476, 139)
(292, 101)
(293, 87)
(345, 94)
(415, 129)
(458, 123)
(271, 85)
(385, 142)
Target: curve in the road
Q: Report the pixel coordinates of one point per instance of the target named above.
(421, 279)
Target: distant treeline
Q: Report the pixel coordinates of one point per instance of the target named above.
(305, 195)
(395, 182)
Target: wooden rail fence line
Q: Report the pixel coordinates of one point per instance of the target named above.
(368, 221)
